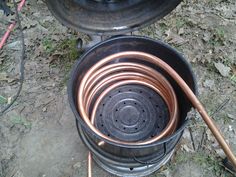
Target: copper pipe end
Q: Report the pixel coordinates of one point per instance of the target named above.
(89, 164)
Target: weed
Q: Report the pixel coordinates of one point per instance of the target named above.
(209, 162)
(218, 37)
(151, 30)
(227, 120)
(48, 45)
(181, 157)
(220, 33)
(180, 23)
(163, 27)
(69, 46)
(69, 53)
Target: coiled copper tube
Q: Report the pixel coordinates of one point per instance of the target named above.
(118, 74)
(84, 97)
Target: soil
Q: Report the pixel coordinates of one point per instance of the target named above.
(38, 136)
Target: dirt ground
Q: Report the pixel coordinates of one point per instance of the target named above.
(38, 137)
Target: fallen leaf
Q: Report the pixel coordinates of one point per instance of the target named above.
(5, 77)
(223, 70)
(1, 60)
(174, 38)
(181, 31)
(166, 173)
(44, 109)
(220, 153)
(77, 165)
(16, 45)
(206, 37)
(209, 84)
(230, 128)
(186, 148)
(55, 56)
(28, 23)
(209, 136)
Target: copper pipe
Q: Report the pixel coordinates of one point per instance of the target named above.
(125, 66)
(81, 99)
(89, 164)
(155, 60)
(120, 67)
(162, 86)
(165, 92)
(133, 80)
(128, 75)
(169, 129)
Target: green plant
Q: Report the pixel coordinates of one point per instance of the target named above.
(48, 45)
(69, 46)
(180, 22)
(218, 37)
(163, 27)
(181, 157)
(209, 162)
(18, 120)
(3, 100)
(69, 52)
(233, 78)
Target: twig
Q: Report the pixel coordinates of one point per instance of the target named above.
(219, 108)
(191, 136)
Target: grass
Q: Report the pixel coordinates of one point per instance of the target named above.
(3, 100)
(163, 27)
(218, 38)
(68, 53)
(18, 120)
(70, 47)
(180, 22)
(233, 79)
(67, 46)
(48, 45)
(207, 161)
(227, 120)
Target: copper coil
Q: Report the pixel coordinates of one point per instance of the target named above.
(135, 77)
(114, 75)
(162, 87)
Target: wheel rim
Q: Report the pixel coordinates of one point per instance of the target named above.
(109, 17)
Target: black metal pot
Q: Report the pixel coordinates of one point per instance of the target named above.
(132, 160)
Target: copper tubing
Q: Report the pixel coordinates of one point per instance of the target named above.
(156, 61)
(89, 164)
(157, 82)
(122, 67)
(160, 85)
(173, 109)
